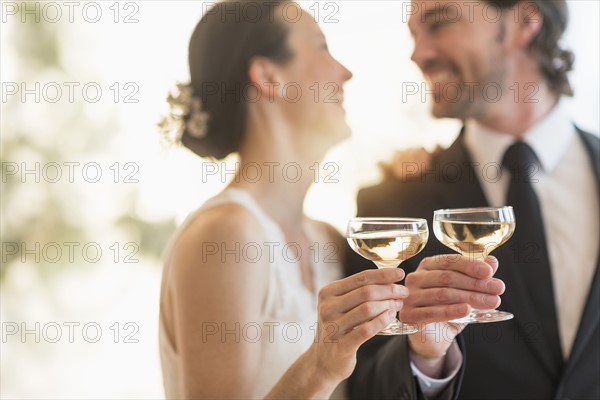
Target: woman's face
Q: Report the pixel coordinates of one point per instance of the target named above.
(311, 83)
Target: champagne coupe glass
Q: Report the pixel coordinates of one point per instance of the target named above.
(388, 242)
(475, 232)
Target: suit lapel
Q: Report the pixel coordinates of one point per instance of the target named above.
(590, 319)
(467, 192)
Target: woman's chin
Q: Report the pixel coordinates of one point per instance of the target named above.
(342, 129)
(345, 133)
(338, 134)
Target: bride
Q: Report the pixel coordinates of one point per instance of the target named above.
(241, 313)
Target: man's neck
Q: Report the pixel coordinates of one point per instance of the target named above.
(517, 117)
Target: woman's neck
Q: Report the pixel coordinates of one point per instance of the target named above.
(278, 172)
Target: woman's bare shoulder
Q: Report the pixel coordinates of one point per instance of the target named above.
(212, 245)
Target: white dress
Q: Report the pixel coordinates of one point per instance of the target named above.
(289, 314)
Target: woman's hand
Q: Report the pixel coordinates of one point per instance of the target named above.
(351, 311)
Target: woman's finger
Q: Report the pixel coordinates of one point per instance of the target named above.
(365, 312)
(367, 277)
(366, 331)
(368, 293)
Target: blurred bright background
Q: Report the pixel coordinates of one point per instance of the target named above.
(90, 195)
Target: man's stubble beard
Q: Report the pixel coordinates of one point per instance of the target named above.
(473, 102)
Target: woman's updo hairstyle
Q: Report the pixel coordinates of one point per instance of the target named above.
(224, 42)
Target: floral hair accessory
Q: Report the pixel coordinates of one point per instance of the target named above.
(183, 104)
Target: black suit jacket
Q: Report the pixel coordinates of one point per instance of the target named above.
(507, 360)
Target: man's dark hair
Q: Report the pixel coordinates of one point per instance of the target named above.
(554, 61)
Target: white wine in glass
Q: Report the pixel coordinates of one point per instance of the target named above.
(474, 233)
(388, 242)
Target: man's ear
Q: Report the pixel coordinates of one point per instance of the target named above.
(264, 76)
(530, 21)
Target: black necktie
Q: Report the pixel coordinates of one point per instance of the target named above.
(530, 255)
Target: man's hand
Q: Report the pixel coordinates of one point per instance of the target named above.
(444, 288)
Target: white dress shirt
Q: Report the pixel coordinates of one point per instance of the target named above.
(430, 386)
(568, 194)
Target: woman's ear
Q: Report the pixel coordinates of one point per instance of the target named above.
(530, 21)
(264, 77)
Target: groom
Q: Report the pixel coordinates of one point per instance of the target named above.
(504, 78)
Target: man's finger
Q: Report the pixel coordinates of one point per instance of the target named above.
(425, 315)
(492, 262)
(455, 262)
(442, 296)
(453, 279)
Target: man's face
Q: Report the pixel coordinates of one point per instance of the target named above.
(459, 47)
